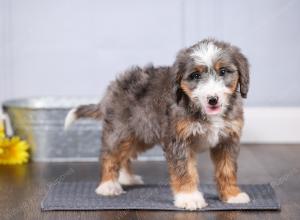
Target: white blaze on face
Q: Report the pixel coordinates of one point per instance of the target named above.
(205, 54)
(212, 87)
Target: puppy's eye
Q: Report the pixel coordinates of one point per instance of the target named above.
(223, 71)
(195, 75)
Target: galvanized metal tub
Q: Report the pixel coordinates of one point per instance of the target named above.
(40, 121)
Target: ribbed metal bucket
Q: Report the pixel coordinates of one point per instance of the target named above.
(40, 121)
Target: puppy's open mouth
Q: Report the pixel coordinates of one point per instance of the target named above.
(213, 110)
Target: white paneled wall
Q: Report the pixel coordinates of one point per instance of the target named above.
(75, 47)
(5, 52)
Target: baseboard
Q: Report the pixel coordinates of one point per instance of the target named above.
(271, 125)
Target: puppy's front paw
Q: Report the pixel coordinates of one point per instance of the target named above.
(109, 188)
(239, 198)
(190, 201)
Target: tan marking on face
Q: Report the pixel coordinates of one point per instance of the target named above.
(201, 68)
(218, 65)
(188, 182)
(225, 174)
(221, 64)
(184, 86)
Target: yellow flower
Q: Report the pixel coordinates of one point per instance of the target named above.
(12, 150)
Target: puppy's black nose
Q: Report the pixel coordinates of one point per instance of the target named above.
(213, 100)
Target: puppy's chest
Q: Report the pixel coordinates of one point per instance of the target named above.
(207, 134)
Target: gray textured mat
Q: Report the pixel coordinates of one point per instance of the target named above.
(81, 196)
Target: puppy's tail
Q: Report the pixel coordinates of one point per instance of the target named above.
(83, 111)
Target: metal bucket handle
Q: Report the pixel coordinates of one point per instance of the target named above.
(7, 124)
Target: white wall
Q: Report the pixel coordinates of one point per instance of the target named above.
(5, 56)
(75, 47)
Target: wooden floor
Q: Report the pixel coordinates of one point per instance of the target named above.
(23, 187)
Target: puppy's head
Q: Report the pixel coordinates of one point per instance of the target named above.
(209, 73)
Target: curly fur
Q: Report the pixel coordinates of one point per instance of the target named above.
(162, 105)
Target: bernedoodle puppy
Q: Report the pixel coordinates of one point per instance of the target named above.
(191, 106)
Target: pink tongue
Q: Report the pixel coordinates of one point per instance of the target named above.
(213, 110)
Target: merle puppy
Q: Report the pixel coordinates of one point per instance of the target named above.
(191, 106)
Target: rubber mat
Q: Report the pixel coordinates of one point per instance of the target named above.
(82, 196)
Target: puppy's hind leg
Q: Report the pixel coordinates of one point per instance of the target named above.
(126, 176)
(111, 161)
(110, 166)
(114, 162)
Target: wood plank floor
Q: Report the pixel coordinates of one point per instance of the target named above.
(23, 187)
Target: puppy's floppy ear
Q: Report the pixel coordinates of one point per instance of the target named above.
(243, 68)
(179, 67)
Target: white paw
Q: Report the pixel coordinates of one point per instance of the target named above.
(190, 201)
(109, 188)
(126, 178)
(239, 198)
